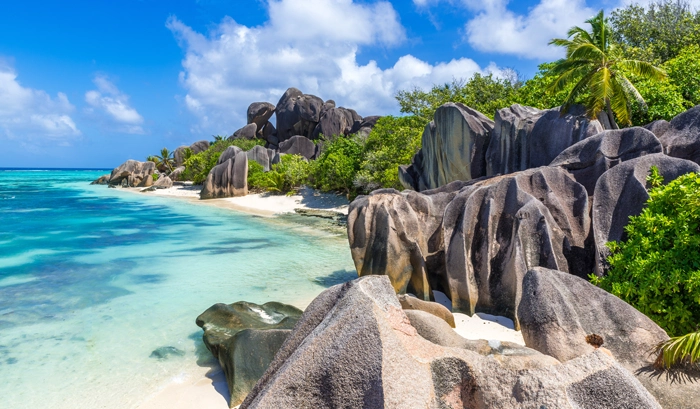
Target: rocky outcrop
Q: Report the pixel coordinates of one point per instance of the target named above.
(355, 347)
(197, 147)
(176, 173)
(297, 114)
(525, 137)
(412, 303)
(244, 337)
(621, 192)
(163, 182)
(227, 154)
(102, 180)
(681, 138)
(587, 160)
(337, 121)
(299, 145)
(247, 132)
(259, 113)
(658, 127)
(567, 317)
(453, 148)
(261, 155)
(229, 179)
(133, 173)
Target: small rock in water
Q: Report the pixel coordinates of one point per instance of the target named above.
(166, 352)
(11, 361)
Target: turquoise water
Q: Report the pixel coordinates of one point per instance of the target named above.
(92, 280)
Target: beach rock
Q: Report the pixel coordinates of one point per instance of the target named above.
(197, 147)
(682, 137)
(297, 114)
(560, 314)
(453, 148)
(412, 303)
(260, 155)
(166, 352)
(228, 179)
(587, 160)
(298, 145)
(244, 337)
(229, 153)
(354, 347)
(525, 137)
(102, 180)
(621, 192)
(163, 182)
(133, 173)
(337, 121)
(176, 173)
(259, 113)
(247, 132)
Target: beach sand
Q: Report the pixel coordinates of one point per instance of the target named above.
(207, 389)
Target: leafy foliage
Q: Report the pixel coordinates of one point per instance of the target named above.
(198, 166)
(663, 101)
(485, 93)
(336, 168)
(593, 64)
(683, 73)
(682, 350)
(288, 176)
(657, 268)
(163, 161)
(392, 142)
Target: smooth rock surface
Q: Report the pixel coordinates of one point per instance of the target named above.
(337, 122)
(297, 114)
(298, 145)
(412, 303)
(229, 179)
(133, 173)
(163, 182)
(621, 192)
(260, 155)
(259, 113)
(589, 159)
(681, 139)
(229, 153)
(247, 132)
(176, 173)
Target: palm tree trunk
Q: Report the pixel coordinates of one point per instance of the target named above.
(611, 117)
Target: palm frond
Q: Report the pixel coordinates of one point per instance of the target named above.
(587, 51)
(619, 102)
(631, 90)
(643, 69)
(571, 75)
(678, 350)
(579, 32)
(601, 89)
(576, 91)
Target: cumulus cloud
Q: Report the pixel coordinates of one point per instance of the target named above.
(309, 44)
(33, 114)
(110, 100)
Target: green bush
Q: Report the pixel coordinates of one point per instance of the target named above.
(256, 177)
(392, 142)
(657, 268)
(288, 176)
(336, 168)
(197, 166)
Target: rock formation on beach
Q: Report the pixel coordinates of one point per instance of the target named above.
(133, 173)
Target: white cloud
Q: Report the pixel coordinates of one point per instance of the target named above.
(33, 114)
(497, 29)
(309, 44)
(115, 104)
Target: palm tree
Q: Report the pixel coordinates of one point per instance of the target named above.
(165, 159)
(679, 350)
(594, 63)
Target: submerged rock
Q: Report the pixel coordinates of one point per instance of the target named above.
(245, 337)
(355, 347)
(166, 352)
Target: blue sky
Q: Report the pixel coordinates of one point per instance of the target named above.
(91, 84)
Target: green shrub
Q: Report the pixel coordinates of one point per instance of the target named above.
(197, 166)
(288, 176)
(256, 176)
(392, 142)
(657, 268)
(336, 168)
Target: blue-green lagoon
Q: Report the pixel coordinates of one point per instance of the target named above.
(93, 280)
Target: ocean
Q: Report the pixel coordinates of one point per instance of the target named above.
(93, 280)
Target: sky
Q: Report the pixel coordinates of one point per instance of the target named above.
(90, 84)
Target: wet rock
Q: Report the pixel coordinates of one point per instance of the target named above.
(133, 173)
(244, 337)
(621, 192)
(587, 160)
(355, 347)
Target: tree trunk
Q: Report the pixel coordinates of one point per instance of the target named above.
(611, 117)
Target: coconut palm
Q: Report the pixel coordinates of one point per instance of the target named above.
(595, 65)
(165, 159)
(678, 351)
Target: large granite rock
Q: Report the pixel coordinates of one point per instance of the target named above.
(562, 316)
(299, 145)
(163, 182)
(228, 153)
(244, 338)
(453, 148)
(337, 121)
(259, 113)
(260, 155)
(681, 139)
(102, 180)
(589, 159)
(354, 347)
(412, 303)
(621, 192)
(658, 127)
(249, 131)
(297, 114)
(133, 173)
(197, 147)
(176, 174)
(229, 179)
(525, 137)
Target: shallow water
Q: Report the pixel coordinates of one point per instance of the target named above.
(92, 280)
